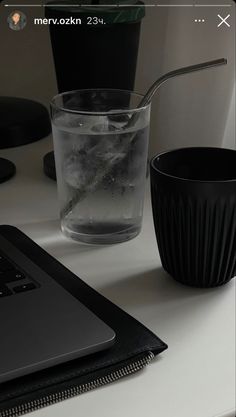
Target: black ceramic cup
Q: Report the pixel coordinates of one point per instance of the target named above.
(194, 209)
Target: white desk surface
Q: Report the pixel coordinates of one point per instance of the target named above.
(195, 377)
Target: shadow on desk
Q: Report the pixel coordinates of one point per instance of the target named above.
(164, 305)
(153, 286)
(151, 295)
(48, 235)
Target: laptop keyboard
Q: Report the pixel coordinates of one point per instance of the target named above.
(12, 280)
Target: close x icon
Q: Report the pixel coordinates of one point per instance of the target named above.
(223, 20)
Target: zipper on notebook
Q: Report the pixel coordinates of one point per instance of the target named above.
(78, 389)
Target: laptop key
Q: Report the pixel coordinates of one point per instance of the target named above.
(4, 291)
(24, 287)
(11, 276)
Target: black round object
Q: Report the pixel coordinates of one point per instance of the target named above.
(49, 165)
(194, 210)
(7, 170)
(22, 121)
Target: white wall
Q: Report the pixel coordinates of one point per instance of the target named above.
(193, 109)
(229, 134)
(26, 63)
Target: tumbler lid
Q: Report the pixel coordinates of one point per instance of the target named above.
(22, 121)
(7, 170)
(49, 165)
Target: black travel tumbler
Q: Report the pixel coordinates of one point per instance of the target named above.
(100, 50)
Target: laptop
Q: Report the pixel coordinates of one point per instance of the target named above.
(42, 325)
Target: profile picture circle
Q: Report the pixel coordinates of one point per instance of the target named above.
(17, 20)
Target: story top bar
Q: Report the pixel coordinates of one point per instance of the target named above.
(118, 5)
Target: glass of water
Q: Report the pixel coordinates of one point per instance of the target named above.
(101, 145)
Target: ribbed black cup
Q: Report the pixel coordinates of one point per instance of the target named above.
(194, 210)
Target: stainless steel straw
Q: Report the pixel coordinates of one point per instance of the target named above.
(115, 159)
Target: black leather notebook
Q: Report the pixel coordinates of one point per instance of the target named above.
(134, 348)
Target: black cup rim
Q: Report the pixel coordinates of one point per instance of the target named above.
(173, 177)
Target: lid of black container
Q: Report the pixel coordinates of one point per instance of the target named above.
(49, 165)
(7, 170)
(22, 121)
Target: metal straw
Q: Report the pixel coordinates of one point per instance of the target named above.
(90, 186)
(181, 71)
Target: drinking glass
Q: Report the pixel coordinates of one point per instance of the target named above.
(101, 145)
